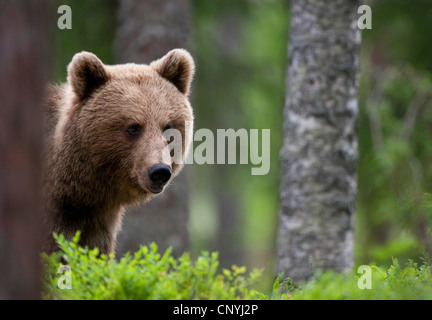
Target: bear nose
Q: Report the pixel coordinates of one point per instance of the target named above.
(160, 173)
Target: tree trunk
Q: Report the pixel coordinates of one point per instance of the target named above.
(23, 72)
(319, 154)
(147, 30)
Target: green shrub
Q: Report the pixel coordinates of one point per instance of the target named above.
(393, 283)
(148, 274)
(145, 274)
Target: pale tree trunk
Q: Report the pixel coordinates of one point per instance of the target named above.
(147, 30)
(319, 154)
(23, 72)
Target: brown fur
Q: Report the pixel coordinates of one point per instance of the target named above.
(94, 168)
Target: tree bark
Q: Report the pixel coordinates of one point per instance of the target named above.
(147, 30)
(320, 152)
(24, 68)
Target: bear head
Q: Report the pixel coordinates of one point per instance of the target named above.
(122, 112)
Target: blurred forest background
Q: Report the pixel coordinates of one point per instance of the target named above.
(240, 48)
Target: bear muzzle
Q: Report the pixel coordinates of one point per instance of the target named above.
(159, 175)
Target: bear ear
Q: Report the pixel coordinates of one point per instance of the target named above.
(178, 67)
(86, 73)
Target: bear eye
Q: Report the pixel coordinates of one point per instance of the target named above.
(167, 127)
(134, 130)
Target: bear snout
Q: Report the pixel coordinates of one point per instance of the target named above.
(159, 175)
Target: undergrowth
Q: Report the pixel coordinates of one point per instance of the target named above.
(148, 274)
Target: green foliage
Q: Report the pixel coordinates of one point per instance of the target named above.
(394, 177)
(394, 283)
(393, 215)
(146, 274)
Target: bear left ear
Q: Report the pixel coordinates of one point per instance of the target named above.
(86, 73)
(178, 67)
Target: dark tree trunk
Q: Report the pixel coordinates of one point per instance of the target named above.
(23, 71)
(147, 30)
(319, 154)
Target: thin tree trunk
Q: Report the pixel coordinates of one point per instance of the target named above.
(319, 154)
(23, 72)
(147, 30)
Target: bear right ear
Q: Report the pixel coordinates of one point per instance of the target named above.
(86, 73)
(178, 67)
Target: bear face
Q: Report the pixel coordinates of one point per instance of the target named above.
(107, 146)
(125, 110)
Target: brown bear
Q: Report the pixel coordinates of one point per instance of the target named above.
(106, 149)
